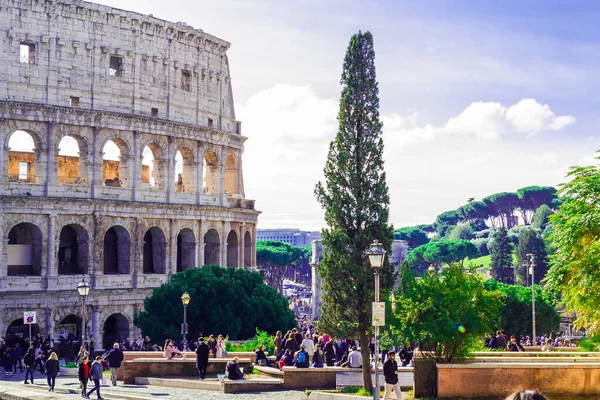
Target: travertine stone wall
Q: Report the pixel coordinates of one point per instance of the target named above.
(126, 238)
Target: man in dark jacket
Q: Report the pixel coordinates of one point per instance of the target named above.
(29, 361)
(114, 358)
(232, 370)
(390, 372)
(406, 355)
(498, 342)
(202, 357)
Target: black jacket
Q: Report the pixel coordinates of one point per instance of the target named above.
(52, 367)
(329, 353)
(29, 359)
(390, 369)
(202, 355)
(232, 370)
(81, 371)
(114, 358)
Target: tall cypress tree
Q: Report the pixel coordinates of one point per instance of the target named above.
(356, 203)
(501, 258)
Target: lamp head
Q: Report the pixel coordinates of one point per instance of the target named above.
(83, 288)
(376, 255)
(185, 299)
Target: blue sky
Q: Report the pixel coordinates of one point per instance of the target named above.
(476, 96)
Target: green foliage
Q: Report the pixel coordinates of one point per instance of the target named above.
(461, 232)
(414, 236)
(482, 262)
(501, 260)
(276, 258)
(574, 272)
(540, 219)
(432, 310)
(515, 314)
(356, 202)
(532, 197)
(440, 253)
(531, 243)
(445, 221)
(501, 206)
(482, 245)
(590, 343)
(223, 300)
(253, 343)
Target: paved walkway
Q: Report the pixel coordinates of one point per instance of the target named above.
(132, 392)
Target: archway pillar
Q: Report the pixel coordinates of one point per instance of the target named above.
(253, 250)
(169, 180)
(222, 199)
(199, 244)
(49, 325)
(241, 243)
(3, 259)
(199, 175)
(172, 251)
(137, 170)
(138, 247)
(223, 249)
(51, 159)
(50, 264)
(95, 325)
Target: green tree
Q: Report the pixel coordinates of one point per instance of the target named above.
(445, 221)
(504, 204)
(574, 272)
(501, 260)
(515, 313)
(461, 232)
(540, 219)
(532, 197)
(276, 258)
(441, 253)
(530, 242)
(413, 235)
(356, 203)
(230, 301)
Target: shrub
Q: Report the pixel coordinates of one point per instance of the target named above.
(252, 344)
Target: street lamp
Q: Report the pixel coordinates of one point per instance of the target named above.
(376, 255)
(530, 259)
(84, 289)
(185, 299)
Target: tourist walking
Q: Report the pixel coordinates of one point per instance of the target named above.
(390, 373)
(202, 357)
(52, 370)
(29, 361)
(95, 376)
(84, 374)
(114, 358)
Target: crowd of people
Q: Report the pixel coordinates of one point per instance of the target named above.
(502, 342)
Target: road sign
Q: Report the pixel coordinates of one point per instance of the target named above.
(378, 314)
(29, 317)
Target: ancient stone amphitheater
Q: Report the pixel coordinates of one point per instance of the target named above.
(121, 163)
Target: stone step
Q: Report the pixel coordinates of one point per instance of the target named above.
(209, 384)
(38, 387)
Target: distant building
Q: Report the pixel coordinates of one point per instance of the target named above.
(295, 237)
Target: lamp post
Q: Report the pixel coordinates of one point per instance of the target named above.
(376, 255)
(84, 289)
(185, 299)
(530, 259)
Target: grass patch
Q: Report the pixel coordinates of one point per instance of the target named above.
(483, 262)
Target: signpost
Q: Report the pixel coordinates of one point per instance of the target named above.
(378, 314)
(29, 318)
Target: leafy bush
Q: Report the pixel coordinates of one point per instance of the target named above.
(482, 245)
(590, 343)
(252, 344)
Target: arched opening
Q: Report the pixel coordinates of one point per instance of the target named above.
(18, 330)
(116, 329)
(73, 250)
(153, 167)
(232, 249)
(22, 158)
(71, 161)
(114, 163)
(155, 251)
(247, 250)
(210, 173)
(116, 251)
(231, 175)
(212, 247)
(69, 331)
(186, 250)
(185, 170)
(24, 250)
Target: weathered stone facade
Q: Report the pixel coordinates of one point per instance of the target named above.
(99, 74)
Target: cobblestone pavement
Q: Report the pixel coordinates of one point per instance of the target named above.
(146, 391)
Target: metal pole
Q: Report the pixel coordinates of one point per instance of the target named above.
(533, 296)
(83, 321)
(30, 341)
(184, 328)
(376, 388)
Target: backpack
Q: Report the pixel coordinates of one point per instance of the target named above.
(301, 357)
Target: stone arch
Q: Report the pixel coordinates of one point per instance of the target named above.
(115, 328)
(71, 168)
(116, 251)
(247, 249)
(186, 249)
(155, 251)
(211, 173)
(73, 250)
(24, 250)
(24, 156)
(18, 329)
(212, 247)
(185, 174)
(232, 249)
(156, 174)
(116, 172)
(231, 175)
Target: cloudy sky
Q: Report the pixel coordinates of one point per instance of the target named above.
(476, 96)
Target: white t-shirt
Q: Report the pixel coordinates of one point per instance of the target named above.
(354, 359)
(310, 346)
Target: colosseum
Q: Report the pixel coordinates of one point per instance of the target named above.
(121, 163)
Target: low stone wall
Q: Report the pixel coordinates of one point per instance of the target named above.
(152, 367)
(497, 380)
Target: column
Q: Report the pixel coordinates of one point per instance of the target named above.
(50, 270)
(241, 244)
(95, 325)
(223, 252)
(253, 250)
(172, 248)
(96, 178)
(137, 162)
(170, 178)
(51, 179)
(3, 150)
(222, 176)
(138, 243)
(201, 244)
(3, 259)
(49, 326)
(200, 173)
(97, 244)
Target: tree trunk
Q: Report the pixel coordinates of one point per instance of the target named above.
(366, 365)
